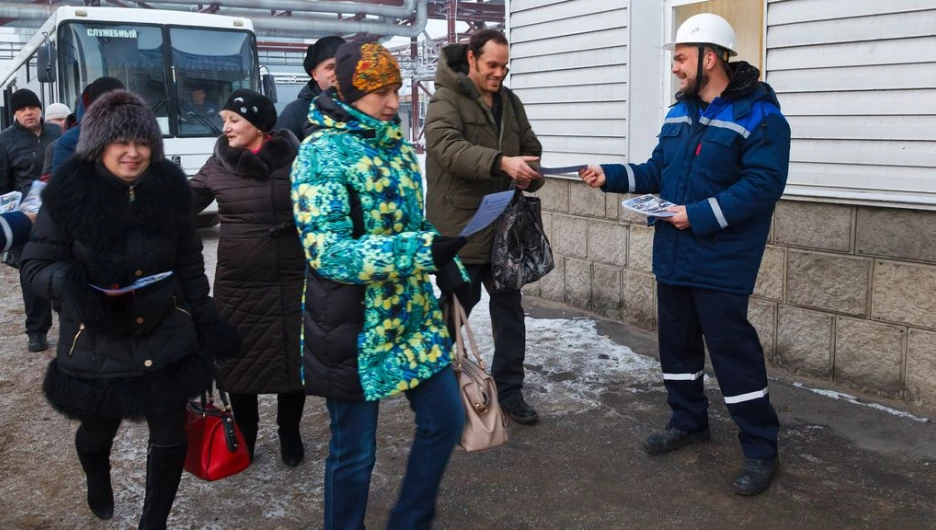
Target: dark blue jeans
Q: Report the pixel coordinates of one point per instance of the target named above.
(353, 447)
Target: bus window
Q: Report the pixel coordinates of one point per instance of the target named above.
(209, 65)
(134, 54)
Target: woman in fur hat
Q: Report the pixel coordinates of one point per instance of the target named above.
(372, 324)
(115, 213)
(261, 267)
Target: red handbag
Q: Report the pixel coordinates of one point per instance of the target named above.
(216, 447)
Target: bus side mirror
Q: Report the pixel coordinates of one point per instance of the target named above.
(269, 87)
(45, 63)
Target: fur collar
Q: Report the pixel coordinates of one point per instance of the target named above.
(94, 207)
(278, 152)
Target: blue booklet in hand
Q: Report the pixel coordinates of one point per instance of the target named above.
(139, 284)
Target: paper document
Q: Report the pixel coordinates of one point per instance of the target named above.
(139, 284)
(649, 205)
(9, 201)
(492, 206)
(561, 170)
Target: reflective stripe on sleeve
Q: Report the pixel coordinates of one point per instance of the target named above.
(719, 216)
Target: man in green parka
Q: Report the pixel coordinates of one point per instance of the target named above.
(479, 141)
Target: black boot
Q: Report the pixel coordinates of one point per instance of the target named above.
(291, 448)
(96, 465)
(755, 476)
(518, 409)
(38, 342)
(163, 473)
(672, 439)
(249, 432)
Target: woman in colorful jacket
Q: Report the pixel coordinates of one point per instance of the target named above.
(372, 325)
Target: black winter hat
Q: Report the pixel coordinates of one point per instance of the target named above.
(323, 50)
(23, 98)
(98, 87)
(255, 108)
(116, 115)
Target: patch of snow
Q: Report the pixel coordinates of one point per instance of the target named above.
(854, 400)
(568, 363)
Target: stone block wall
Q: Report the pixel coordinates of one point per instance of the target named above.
(845, 293)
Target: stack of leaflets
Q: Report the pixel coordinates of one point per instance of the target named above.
(28, 204)
(649, 205)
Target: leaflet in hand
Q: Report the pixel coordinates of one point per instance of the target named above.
(33, 201)
(9, 201)
(561, 170)
(139, 284)
(492, 206)
(650, 205)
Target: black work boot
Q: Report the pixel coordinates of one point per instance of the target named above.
(291, 449)
(518, 409)
(672, 439)
(38, 342)
(163, 473)
(96, 465)
(755, 476)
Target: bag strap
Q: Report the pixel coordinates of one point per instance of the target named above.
(461, 320)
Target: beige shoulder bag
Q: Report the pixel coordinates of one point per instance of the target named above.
(485, 422)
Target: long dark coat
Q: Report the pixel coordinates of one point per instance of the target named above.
(120, 356)
(261, 265)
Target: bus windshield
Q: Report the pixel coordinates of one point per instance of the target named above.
(186, 74)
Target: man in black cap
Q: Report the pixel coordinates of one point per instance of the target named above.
(320, 64)
(22, 150)
(65, 148)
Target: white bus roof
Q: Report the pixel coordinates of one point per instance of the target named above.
(122, 15)
(151, 16)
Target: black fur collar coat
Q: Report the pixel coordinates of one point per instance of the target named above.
(117, 353)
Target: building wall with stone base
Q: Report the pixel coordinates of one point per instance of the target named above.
(845, 293)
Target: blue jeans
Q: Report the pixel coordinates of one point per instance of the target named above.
(353, 447)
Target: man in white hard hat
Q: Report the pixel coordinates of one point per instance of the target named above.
(722, 157)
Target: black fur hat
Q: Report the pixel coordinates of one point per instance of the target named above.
(322, 50)
(118, 115)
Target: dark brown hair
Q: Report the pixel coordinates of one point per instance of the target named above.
(479, 39)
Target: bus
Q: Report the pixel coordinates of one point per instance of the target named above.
(184, 64)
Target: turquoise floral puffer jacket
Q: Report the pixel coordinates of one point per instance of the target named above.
(358, 204)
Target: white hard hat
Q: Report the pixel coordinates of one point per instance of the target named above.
(706, 28)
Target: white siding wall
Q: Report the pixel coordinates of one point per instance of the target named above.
(857, 81)
(569, 66)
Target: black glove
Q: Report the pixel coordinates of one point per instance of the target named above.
(219, 338)
(445, 248)
(450, 282)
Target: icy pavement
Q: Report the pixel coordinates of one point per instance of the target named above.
(598, 390)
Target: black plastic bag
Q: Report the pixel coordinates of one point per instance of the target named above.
(521, 252)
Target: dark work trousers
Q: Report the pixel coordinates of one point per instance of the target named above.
(688, 314)
(38, 309)
(509, 329)
(166, 428)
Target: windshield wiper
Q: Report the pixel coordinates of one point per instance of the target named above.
(214, 128)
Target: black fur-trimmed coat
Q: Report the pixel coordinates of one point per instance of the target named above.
(261, 265)
(119, 356)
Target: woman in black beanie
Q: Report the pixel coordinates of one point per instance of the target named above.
(260, 272)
